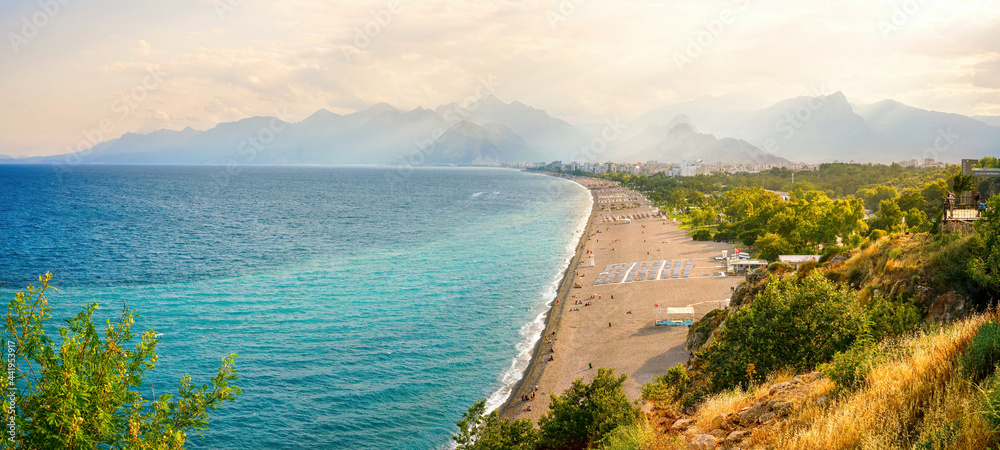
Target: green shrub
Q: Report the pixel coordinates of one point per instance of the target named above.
(632, 437)
(793, 323)
(88, 390)
(850, 367)
(806, 268)
(982, 354)
(830, 252)
(888, 319)
(480, 431)
(585, 413)
(667, 388)
(702, 235)
(780, 267)
(876, 235)
(991, 403)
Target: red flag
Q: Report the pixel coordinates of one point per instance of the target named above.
(657, 305)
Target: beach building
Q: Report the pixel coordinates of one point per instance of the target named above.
(738, 266)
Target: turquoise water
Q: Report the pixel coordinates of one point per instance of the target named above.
(369, 307)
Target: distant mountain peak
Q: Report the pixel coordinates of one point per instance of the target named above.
(683, 128)
(381, 108)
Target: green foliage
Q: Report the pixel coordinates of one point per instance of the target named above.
(984, 265)
(667, 388)
(885, 320)
(874, 196)
(889, 319)
(962, 183)
(831, 251)
(585, 413)
(982, 354)
(85, 391)
(632, 437)
(916, 221)
(888, 217)
(703, 216)
(480, 431)
(911, 200)
(935, 193)
(780, 267)
(850, 367)
(989, 162)
(702, 235)
(771, 245)
(991, 403)
(793, 323)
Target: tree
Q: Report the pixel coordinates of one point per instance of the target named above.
(84, 392)
(772, 245)
(793, 323)
(888, 217)
(479, 431)
(916, 221)
(989, 162)
(585, 413)
(911, 200)
(934, 194)
(962, 183)
(984, 267)
(873, 196)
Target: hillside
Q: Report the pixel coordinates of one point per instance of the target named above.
(915, 395)
(883, 388)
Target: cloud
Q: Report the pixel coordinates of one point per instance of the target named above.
(582, 61)
(142, 48)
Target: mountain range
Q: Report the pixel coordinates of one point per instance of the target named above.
(713, 129)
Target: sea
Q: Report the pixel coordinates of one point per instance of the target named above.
(370, 307)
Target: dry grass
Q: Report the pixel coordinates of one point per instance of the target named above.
(904, 402)
(731, 401)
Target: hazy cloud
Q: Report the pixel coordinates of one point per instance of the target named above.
(228, 60)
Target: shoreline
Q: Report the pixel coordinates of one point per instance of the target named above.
(536, 364)
(640, 263)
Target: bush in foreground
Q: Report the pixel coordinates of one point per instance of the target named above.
(85, 391)
(587, 415)
(794, 324)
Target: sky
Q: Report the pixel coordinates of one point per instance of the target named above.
(74, 70)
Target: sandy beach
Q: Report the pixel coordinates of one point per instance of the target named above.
(612, 324)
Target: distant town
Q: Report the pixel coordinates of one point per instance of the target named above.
(692, 168)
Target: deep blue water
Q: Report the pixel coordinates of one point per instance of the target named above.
(369, 307)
